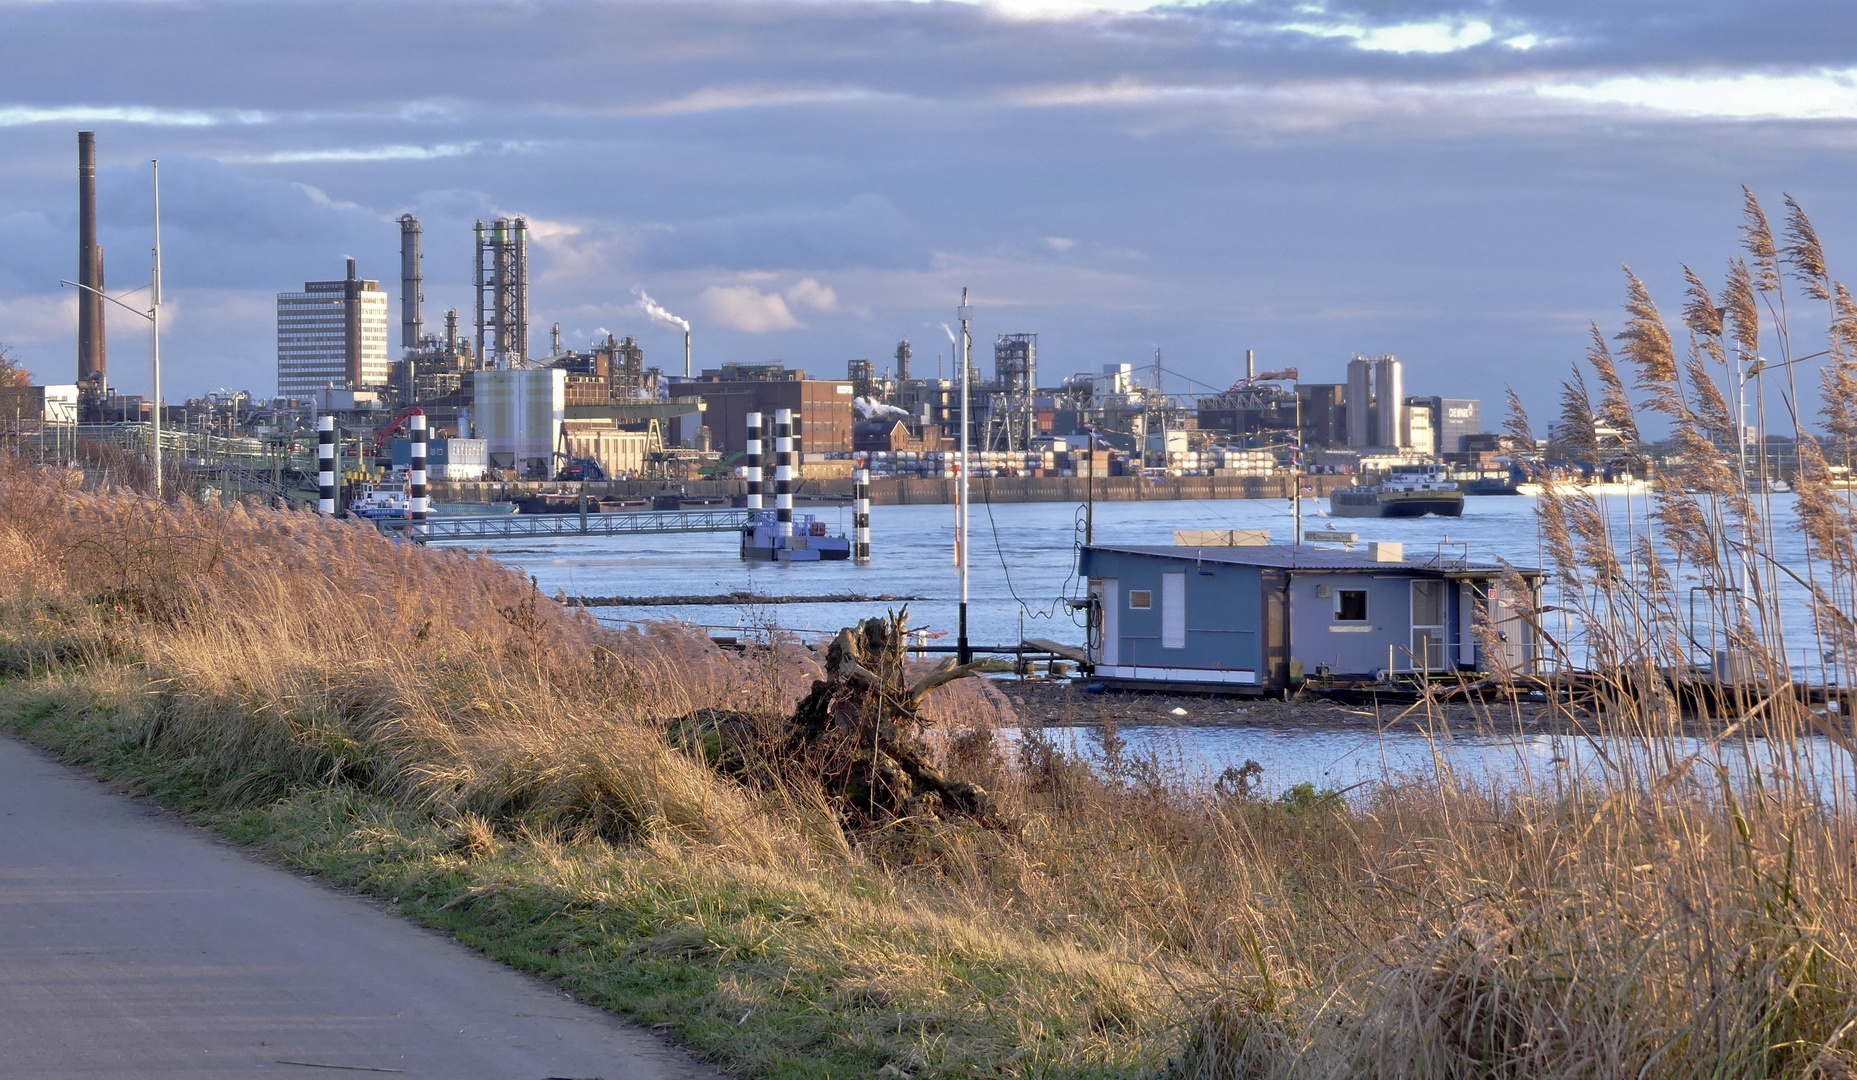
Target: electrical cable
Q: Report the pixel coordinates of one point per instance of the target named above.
(1000, 551)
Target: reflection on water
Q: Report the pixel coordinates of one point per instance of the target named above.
(1355, 760)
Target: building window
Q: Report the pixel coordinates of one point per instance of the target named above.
(1140, 599)
(1351, 605)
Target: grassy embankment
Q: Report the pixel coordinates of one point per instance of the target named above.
(420, 724)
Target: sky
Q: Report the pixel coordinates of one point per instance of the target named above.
(1456, 183)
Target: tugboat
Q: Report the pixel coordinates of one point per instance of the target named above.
(762, 540)
(1409, 491)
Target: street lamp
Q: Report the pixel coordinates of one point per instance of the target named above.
(153, 315)
(1761, 364)
(964, 653)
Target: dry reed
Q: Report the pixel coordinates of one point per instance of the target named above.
(428, 725)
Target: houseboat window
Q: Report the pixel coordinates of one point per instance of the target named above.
(1140, 599)
(1351, 606)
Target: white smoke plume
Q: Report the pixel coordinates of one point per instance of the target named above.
(872, 409)
(952, 340)
(656, 311)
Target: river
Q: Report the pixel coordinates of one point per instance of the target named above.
(1022, 572)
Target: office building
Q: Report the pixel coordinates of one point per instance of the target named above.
(333, 334)
(1457, 419)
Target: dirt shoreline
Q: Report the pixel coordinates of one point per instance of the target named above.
(1069, 704)
(743, 599)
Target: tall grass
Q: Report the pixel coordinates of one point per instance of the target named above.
(1685, 908)
(426, 724)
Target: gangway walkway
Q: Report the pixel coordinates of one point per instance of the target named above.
(530, 526)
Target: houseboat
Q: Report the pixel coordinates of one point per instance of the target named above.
(1256, 619)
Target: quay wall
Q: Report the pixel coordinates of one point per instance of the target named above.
(910, 491)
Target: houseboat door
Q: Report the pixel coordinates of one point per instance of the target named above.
(1276, 658)
(1428, 624)
(1106, 621)
(1466, 624)
(1511, 628)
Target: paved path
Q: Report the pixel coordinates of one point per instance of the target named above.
(132, 945)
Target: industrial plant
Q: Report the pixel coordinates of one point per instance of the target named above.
(501, 409)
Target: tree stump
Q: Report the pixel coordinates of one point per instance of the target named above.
(857, 732)
(860, 730)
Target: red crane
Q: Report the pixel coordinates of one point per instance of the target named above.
(383, 434)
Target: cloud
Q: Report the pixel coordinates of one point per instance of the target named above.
(1273, 162)
(21, 115)
(808, 292)
(1818, 95)
(1434, 36)
(1062, 9)
(353, 153)
(748, 309)
(40, 319)
(726, 98)
(868, 230)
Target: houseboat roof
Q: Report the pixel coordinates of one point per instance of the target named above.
(1321, 559)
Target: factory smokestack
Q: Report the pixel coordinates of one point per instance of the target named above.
(412, 283)
(351, 320)
(92, 366)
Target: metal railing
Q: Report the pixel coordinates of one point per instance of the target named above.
(530, 526)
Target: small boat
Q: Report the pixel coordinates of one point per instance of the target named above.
(1581, 482)
(765, 539)
(1408, 491)
(382, 499)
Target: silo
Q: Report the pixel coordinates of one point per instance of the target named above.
(1389, 398)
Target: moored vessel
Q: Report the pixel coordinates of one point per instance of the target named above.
(1584, 482)
(767, 539)
(381, 499)
(1408, 491)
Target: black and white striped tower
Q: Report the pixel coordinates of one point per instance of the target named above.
(783, 472)
(754, 461)
(860, 511)
(325, 465)
(416, 468)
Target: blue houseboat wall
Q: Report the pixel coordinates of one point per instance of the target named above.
(1150, 622)
(1257, 617)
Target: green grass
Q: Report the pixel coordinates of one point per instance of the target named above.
(754, 972)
